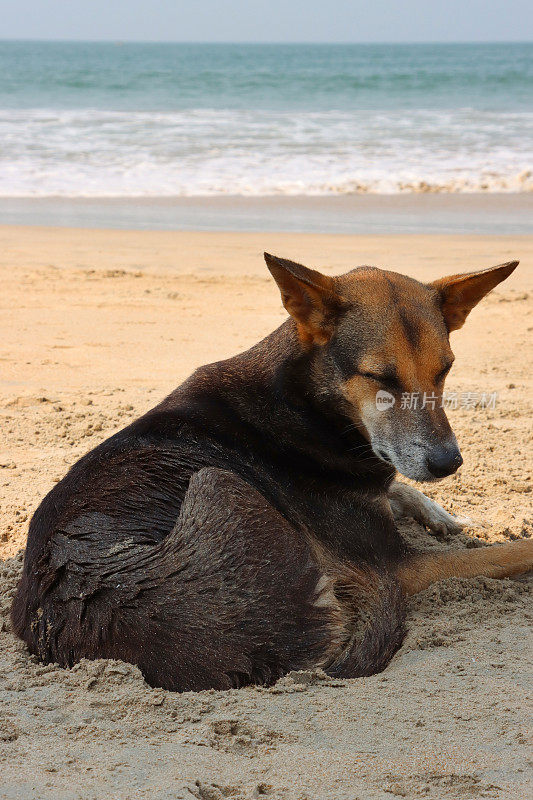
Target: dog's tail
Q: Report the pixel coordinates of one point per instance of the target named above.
(374, 606)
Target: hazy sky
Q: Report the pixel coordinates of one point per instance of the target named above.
(269, 20)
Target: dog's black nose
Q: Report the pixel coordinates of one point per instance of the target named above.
(444, 461)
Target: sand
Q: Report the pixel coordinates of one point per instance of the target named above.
(96, 327)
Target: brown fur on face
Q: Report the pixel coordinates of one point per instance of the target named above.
(402, 337)
(382, 331)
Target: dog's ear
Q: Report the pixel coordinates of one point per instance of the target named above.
(309, 297)
(460, 293)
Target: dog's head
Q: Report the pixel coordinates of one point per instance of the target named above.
(381, 350)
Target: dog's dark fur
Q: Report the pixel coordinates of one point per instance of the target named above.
(238, 530)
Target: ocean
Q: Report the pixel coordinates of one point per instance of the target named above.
(95, 120)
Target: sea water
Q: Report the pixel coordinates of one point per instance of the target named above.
(179, 120)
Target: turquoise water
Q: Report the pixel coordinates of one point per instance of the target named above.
(171, 120)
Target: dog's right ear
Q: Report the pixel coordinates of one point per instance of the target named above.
(309, 297)
(460, 293)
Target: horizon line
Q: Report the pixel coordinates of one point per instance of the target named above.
(120, 41)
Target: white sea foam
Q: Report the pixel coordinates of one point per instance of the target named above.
(94, 153)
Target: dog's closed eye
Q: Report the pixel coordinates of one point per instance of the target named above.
(387, 377)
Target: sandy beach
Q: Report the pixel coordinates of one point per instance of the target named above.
(96, 327)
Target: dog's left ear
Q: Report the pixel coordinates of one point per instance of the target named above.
(460, 293)
(309, 297)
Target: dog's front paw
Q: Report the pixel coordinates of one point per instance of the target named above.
(405, 501)
(438, 520)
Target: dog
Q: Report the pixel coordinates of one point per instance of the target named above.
(246, 526)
